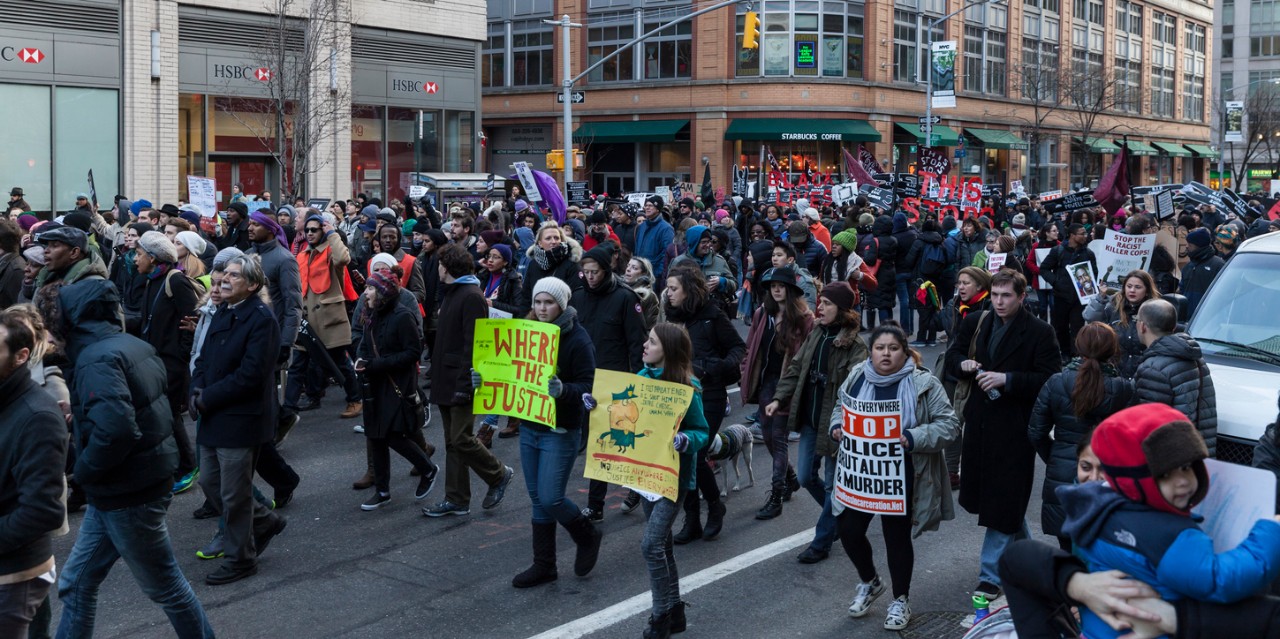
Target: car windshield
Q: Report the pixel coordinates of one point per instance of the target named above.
(1240, 315)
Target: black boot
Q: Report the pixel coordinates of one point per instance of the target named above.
(793, 484)
(543, 570)
(773, 507)
(677, 618)
(715, 520)
(692, 523)
(587, 537)
(659, 626)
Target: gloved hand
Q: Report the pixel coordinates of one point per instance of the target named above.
(555, 387)
(193, 404)
(283, 358)
(681, 442)
(476, 381)
(835, 433)
(589, 401)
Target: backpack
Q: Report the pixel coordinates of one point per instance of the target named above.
(933, 260)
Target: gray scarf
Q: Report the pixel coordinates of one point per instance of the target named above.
(906, 388)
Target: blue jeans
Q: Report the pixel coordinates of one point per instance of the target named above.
(547, 459)
(906, 316)
(656, 545)
(819, 487)
(138, 535)
(993, 545)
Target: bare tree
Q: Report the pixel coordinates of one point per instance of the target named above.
(1089, 95)
(1039, 81)
(297, 58)
(1261, 131)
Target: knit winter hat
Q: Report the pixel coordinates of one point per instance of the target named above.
(866, 219)
(1227, 235)
(35, 254)
(491, 237)
(194, 243)
(1199, 237)
(1006, 244)
(521, 205)
(721, 214)
(798, 232)
(220, 260)
(556, 288)
(385, 282)
(381, 258)
(503, 250)
(158, 246)
(847, 238)
(840, 294)
(1139, 444)
(27, 220)
(79, 220)
(656, 201)
(370, 211)
(601, 254)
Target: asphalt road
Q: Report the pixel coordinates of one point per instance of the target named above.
(340, 572)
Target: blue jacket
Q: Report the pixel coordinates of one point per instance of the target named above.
(652, 240)
(711, 264)
(1165, 550)
(236, 377)
(694, 426)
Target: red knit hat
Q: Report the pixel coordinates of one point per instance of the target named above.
(1141, 443)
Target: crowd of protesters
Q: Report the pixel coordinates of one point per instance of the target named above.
(147, 350)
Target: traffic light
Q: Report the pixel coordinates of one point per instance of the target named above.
(751, 31)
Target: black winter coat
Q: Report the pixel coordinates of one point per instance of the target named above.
(576, 370)
(1198, 274)
(717, 348)
(391, 348)
(235, 375)
(905, 235)
(1054, 270)
(1173, 372)
(966, 250)
(883, 250)
(11, 266)
(33, 452)
(916, 253)
(614, 320)
(462, 305)
(507, 297)
(998, 462)
(123, 423)
(1055, 432)
(165, 301)
(566, 270)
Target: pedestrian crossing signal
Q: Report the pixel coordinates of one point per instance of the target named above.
(751, 31)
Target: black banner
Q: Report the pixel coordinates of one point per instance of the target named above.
(1071, 202)
(578, 193)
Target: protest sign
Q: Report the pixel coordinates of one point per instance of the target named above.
(638, 198)
(1233, 203)
(579, 194)
(1084, 280)
(201, 192)
(935, 162)
(995, 261)
(1118, 253)
(530, 185)
(318, 203)
(497, 314)
(631, 432)
(1016, 187)
(1041, 283)
(1238, 497)
(1048, 196)
(416, 191)
(846, 192)
(1070, 202)
(740, 175)
(1166, 238)
(258, 205)
(871, 465)
(882, 199)
(663, 192)
(516, 359)
(1144, 195)
(1164, 205)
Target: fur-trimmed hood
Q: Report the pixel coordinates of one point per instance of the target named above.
(575, 249)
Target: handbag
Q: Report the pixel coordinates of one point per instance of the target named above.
(411, 401)
(965, 386)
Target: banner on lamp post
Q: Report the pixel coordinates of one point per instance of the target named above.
(942, 74)
(1234, 130)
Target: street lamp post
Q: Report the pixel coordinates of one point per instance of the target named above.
(928, 87)
(1222, 131)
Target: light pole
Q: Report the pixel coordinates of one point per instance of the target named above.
(928, 87)
(1222, 130)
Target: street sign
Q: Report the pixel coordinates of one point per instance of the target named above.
(930, 120)
(577, 97)
(926, 129)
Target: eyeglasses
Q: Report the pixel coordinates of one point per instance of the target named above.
(313, 229)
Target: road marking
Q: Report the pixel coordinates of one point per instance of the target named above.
(643, 602)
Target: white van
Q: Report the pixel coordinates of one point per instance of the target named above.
(1237, 325)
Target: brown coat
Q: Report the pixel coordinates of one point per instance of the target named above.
(848, 351)
(326, 311)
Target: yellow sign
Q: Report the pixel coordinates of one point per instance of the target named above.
(516, 359)
(632, 429)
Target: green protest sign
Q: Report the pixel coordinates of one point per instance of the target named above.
(516, 359)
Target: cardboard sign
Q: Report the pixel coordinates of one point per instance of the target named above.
(1238, 497)
(1140, 194)
(1041, 283)
(871, 463)
(202, 192)
(530, 186)
(516, 359)
(416, 191)
(579, 194)
(631, 432)
(1084, 280)
(932, 161)
(1118, 253)
(258, 205)
(842, 193)
(995, 261)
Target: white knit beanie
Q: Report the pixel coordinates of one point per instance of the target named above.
(556, 288)
(194, 243)
(381, 258)
(158, 246)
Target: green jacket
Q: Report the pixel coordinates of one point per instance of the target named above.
(694, 426)
(848, 350)
(936, 427)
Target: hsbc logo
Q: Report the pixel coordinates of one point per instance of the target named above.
(28, 55)
(239, 72)
(414, 86)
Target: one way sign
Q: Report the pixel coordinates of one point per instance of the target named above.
(577, 97)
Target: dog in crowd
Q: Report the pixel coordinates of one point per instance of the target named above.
(731, 444)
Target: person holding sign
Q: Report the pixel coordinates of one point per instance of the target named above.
(547, 454)
(891, 383)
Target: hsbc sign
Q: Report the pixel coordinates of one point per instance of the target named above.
(414, 86)
(241, 72)
(27, 55)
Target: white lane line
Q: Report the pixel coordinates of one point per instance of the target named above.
(642, 602)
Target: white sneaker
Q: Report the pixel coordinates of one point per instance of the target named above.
(899, 614)
(793, 436)
(864, 595)
(358, 428)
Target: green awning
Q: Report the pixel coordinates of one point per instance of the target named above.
(1099, 145)
(996, 139)
(1175, 150)
(629, 131)
(1203, 151)
(802, 129)
(946, 135)
(1139, 148)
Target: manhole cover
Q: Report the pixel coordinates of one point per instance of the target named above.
(935, 625)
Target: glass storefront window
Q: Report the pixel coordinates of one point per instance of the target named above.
(242, 125)
(403, 158)
(27, 158)
(668, 162)
(793, 157)
(367, 149)
(459, 132)
(88, 125)
(191, 151)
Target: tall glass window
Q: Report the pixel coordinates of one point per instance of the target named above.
(1128, 73)
(1193, 70)
(27, 159)
(805, 38)
(986, 50)
(531, 53)
(87, 139)
(367, 148)
(191, 151)
(1164, 42)
(668, 54)
(493, 60)
(605, 34)
(1041, 38)
(459, 131)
